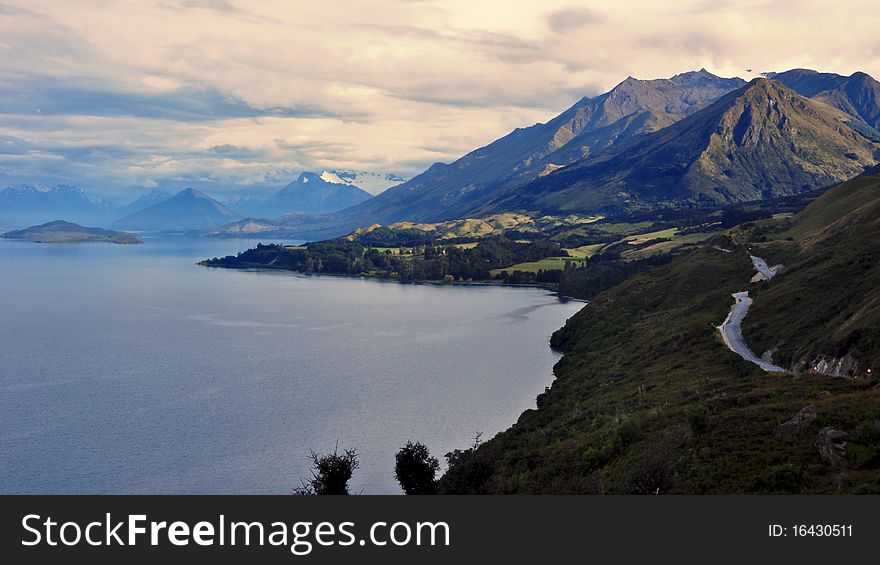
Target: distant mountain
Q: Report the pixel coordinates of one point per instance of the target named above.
(318, 193)
(154, 196)
(632, 108)
(763, 140)
(858, 94)
(25, 205)
(374, 183)
(187, 210)
(312, 193)
(66, 232)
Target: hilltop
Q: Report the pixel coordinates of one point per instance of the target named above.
(188, 209)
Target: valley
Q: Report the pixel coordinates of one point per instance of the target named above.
(648, 398)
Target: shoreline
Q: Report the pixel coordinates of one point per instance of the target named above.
(554, 288)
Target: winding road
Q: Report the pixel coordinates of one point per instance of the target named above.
(765, 273)
(731, 332)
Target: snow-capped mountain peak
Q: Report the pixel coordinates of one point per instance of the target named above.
(330, 176)
(374, 183)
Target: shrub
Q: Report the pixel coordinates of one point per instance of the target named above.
(416, 470)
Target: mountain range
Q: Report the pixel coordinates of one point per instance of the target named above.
(315, 193)
(761, 141)
(632, 108)
(310, 193)
(374, 183)
(691, 140)
(858, 94)
(25, 205)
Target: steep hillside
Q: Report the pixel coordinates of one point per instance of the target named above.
(824, 313)
(761, 141)
(188, 209)
(648, 400)
(632, 108)
(858, 94)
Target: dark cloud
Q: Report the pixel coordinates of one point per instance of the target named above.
(42, 95)
(224, 149)
(92, 154)
(568, 19)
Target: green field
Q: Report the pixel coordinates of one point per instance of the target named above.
(586, 251)
(643, 237)
(546, 264)
(664, 246)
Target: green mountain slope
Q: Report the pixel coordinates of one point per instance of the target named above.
(649, 400)
(824, 313)
(761, 141)
(858, 94)
(634, 107)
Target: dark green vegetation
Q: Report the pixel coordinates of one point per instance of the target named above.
(415, 469)
(579, 256)
(422, 262)
(648, 399)
(824, 311)
(66, 232)
(330, 473)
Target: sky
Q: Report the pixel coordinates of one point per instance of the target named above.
(236, 97)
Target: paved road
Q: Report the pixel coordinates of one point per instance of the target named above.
(731, 331)
(762, 267)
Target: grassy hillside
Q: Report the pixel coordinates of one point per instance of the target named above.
(648, 400)
(761, 141)
(824, 312)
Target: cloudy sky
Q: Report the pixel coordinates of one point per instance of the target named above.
(237, 96)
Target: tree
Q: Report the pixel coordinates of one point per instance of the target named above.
(330, 473)
(416, 470)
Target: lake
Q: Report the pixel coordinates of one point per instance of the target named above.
(129, 369)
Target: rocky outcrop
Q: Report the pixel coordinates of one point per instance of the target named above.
(797, 423)
(831, 445)
(845, 366)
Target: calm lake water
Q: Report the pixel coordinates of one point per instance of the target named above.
(129, 369)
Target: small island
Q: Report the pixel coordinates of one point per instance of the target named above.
(60, 231)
